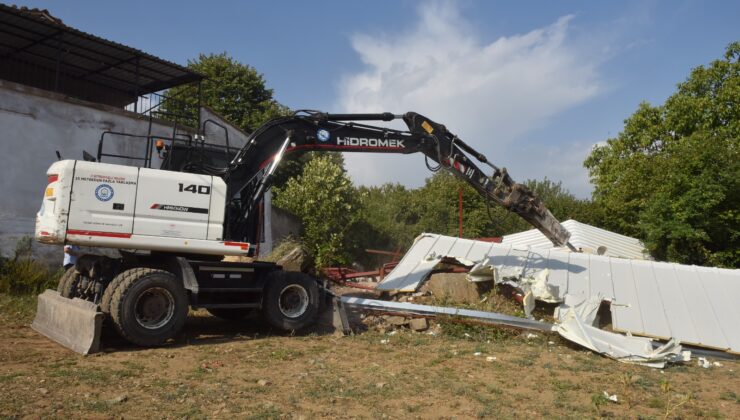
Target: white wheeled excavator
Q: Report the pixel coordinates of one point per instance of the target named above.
(173, 225)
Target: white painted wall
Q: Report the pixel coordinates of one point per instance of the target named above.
(34, 123)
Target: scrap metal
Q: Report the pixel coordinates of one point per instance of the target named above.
(693, 305)
(427, 310)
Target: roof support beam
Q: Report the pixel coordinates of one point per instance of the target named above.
(110, 66)
(31, 44)
(99, 53)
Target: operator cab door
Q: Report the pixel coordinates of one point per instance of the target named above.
(173, 204)
(102, 201)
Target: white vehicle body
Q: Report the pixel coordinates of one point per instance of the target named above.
(115, 206)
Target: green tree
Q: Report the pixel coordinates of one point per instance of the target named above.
(389, 220)
(396, 215)
(294, 163)
(235, 90)
(671, 176)
(327, 204)
(564, 205)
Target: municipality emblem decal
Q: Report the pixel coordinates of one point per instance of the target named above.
(104, 192)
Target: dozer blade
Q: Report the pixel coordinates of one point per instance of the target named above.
(73, 323)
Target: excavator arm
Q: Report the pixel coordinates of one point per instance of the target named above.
(250, 172)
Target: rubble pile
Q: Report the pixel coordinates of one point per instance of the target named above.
(583, 292)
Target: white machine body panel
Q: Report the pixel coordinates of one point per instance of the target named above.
(217, 210)
(103, 197)
(173, 204)
(105, 205)
(51, 220)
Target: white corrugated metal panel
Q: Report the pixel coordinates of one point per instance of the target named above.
(584, 236)
(695, 305)
(425, 254)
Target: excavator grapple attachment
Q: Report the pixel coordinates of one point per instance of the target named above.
(73, 323)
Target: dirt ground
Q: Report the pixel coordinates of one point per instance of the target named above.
(243, 370)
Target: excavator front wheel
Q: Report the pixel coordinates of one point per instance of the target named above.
(290, 301)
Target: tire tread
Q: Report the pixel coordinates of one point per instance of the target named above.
(127, 279)
(68, 283)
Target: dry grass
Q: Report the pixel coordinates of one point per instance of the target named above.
(219, 369)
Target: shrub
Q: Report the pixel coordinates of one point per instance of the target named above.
(22, 275)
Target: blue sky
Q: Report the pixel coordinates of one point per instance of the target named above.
(531, 84)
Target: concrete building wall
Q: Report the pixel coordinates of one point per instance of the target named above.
(36, 123)
(278, 225)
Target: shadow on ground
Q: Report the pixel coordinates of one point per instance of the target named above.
(203, 330)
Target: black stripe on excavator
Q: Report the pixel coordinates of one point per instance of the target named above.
(183, 209)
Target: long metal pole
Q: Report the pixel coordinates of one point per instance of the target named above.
(460, 209)
(136, 88)
(60, 58)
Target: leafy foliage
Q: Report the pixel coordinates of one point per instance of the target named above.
(22, 275)
(294, 162)
(234, 90)
(671, 176)
(327, 204)
(395, 215)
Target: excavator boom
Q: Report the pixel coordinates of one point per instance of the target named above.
(249, 174)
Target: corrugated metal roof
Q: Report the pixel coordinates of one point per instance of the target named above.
(33, 43)
(584, 236)
(695, 305)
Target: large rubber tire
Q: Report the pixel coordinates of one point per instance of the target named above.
(68, 283)
(230, 314)
(110, 289)
(290, 301)
(149, 306)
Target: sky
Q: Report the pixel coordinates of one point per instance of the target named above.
(533, 85)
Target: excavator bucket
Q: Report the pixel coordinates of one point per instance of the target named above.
(73, 323)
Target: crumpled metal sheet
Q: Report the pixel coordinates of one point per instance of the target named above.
(590, 239)
(575, 325)
(694, 305)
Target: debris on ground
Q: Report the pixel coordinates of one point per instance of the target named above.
(419, 324)
(612, 397)
(586, 238)
(412, 309)
(586, 292)
(296, 260)
(454, 287)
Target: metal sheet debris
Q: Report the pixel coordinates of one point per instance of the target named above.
(589, 239)
(576, 317)
(623, 348)
(427, 310)
(694, 305)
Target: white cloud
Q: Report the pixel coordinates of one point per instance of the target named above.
(489, 93)
(558, 163)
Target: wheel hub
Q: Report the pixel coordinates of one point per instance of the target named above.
(154, 308)
(293, 301)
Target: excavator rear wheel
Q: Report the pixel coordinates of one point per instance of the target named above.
(68, 283)
(110, 290)
(149, 306)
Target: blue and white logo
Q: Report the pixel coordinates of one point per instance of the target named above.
(104, 192)
(323, 135)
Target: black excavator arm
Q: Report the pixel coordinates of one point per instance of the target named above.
(250, 172)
